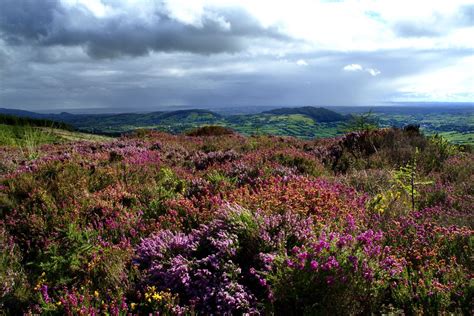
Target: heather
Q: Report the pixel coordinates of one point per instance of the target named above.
(375, 221)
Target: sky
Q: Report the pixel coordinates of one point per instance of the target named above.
(130, 55)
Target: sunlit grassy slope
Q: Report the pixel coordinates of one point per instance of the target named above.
(30, 136)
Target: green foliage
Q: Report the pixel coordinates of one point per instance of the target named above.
(220, 181)
(13, 285)
(167, 186)
(439, 149)
(27, 138)
(362, 123)
(64, 262)
(406, 179)
(405, 183)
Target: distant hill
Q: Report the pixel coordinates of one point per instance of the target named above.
(187, 113)
(22, 113)
(317, 114)
(455, 122)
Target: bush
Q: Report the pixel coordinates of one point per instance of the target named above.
(211, 130)
(142, 224)
(213, 269)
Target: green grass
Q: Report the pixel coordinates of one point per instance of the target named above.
(25, 136)
(31, 137)
(65, 135)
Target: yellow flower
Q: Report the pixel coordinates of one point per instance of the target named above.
(58, 303)
(96, 294)
(156, 297)
(133, 305)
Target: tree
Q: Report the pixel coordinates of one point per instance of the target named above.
(362, 122)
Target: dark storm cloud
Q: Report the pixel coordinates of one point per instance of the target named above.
(163, 80)
(49, 23)
(59, 56)
(26, 19)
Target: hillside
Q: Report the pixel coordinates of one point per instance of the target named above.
(22, 113)
(27, 136)
(317, 114)
(200, 224)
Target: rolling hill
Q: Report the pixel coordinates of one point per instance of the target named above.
(302, 122)
(453, 122)
(317, 114)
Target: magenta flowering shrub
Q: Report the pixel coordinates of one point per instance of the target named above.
(142, 224)
(335, 272)
(11, 272)
(207, 282)
(213, 268)
(203, 160)
(438, 257)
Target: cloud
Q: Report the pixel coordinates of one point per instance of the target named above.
(125, 32)
(144, 54)
(356, 67)
(438, 23)
(373, 72)
(301, 62)
(466, 13)
(418, 29)
(353, 67)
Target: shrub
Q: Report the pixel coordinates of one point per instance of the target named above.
(13, 283)
(211, 130)
(336, 273)
(142, 224)
(213, 269)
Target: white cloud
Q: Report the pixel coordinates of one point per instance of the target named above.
(356, 67)
(373, 71)
(353, 67)
(453, 82)
(357, 25)
(301, 62)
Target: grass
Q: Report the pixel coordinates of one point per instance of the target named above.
(12, 135)
(29, 136)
